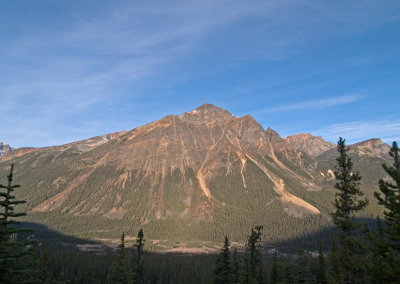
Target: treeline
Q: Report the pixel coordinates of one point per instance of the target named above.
(358, 253)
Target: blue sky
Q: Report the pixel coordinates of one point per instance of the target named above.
(70, 70)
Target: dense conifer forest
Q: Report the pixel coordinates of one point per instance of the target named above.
(353, 251)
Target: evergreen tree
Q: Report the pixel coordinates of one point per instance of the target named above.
(15, 255)
(235, 268)
(350, 250)
(388, 244)
(138, 277)
(42, 274)
(321, 271)
(274, 269)
(303, 273)
(333, 260)
(118, 273)
(289, 279)
(222, 272)
(379, 265)
(261, 277)
(246, 277)
(253, 262)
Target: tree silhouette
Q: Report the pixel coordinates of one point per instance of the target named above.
(223, 270)
(350, 249)
(138, 276)
(388, 239)
(15, 261)
(118, 273)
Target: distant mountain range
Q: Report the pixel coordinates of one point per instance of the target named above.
(196, 176)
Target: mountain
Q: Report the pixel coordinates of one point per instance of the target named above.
(195, 176)
(312, 145)
(373, 148)
(78, 146)
(367, 157)
(4, 149)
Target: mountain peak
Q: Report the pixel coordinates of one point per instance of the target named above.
(210, 108)
(372, 140)
(206, 112)
(312, 145)
(374, 147)
(273, 136)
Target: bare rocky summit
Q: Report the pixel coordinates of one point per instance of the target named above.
(373, 147)
(307, 143)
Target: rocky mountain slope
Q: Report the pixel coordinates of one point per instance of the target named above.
(195, 176)
(312, 145)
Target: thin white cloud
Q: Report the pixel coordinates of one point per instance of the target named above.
(56, 70)
(387, 130)
(311, 104)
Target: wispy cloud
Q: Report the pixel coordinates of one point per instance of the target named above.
(312, 104)
(54, 71)
(387, 130)
(80, 64)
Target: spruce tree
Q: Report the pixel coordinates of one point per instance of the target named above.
(253, 260)
(379, 266)
(289, 278)
(334, 263)
(246, 277)
(303, 272)
(388, 244)
(42, 274)
(223, 270)
(350, 250)
(321, 270)
(118, 273)
(15, 255)
(274, 269)
(138, 277)
(235, 268)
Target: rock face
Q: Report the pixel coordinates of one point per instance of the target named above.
(312, 145)
(372, 147)
(4, 149)
(202, 167)
(91, 143)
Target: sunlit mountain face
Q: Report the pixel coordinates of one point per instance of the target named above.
(195, 176)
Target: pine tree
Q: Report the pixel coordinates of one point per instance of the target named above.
(246, 277)
(15, 255)
(235, 268)
(118, 273)
(335, 272)
(379, 266)
(138, 277)
(223, 270)
(42, 274)
(289, 279)
(321, 271)
(389, 197)
(303, 273)
(253, 261)
(274, 269)
(350, 250)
